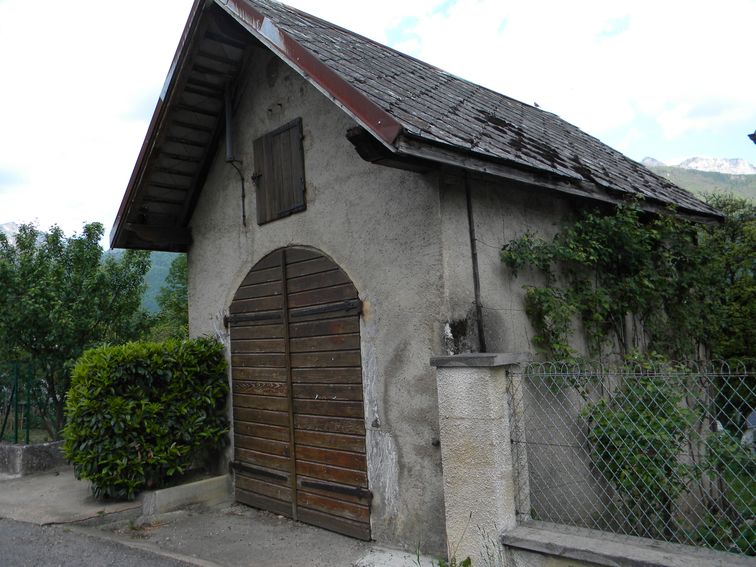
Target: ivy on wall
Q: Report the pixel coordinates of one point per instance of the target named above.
(634, 281)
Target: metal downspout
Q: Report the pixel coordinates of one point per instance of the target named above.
(476, 275)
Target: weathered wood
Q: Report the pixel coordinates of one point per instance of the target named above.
(261, 388)
(327, 327)
(294, 255)
(347, 392)
(334, 359)
(322, 295)
(317, 281)
(359, 530)
(261, 416)
(330, 424)
(347, 308)
(334, 490)
(271, 488)
(267, 446)
(326, 343)
(333, 474)
(344, 459)
(263, 459)
(328, 408)
(314, 266)
(259, 290)
(259, 360)
(327, 375)
(268, 403)
(259, 374)
(272, 260)
(259, 318)
(269, 275)
(256, 304)
(354, 443)
(241, 346)
(333, 506)
(256, 332)
(264, 502)
(261, 430)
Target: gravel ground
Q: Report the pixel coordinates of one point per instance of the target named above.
(23, 544)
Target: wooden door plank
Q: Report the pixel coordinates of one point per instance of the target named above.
(264, 460)
(333, 474)
(354, 443)
(262, 276)
(259, 360)
(341, 392)
(256, 304)
(325, 343)
(261, 430)
(263, 331)
(261, 388)
(267, 446)
(328, 327)
(343, 459)
(268, 403)
(322, 295)
(358, 530)
(334, 408)
(327, 375)
(261, 416)
(332, 506)
(330, 424)
(317, 281)
(259, 374)
(294, 255)
(324, 359)
(267, 289)
(307, 267)
(253, 346)
(263, 502)
(247, 482)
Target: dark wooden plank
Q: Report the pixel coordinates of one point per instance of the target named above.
(262, 416)
(264, 503)
(280, 389)
(241, 346)
(259, 360)
(332, 474)
(294, 255)
(343, 459)
(317, 281)
(258, 290)
(269, 275)
(327, 375)
(256, 332)
(259, 374)
(325, 408)
(321, 503)
(327, 327)
(330, 424)
(268, 403)
(322, 295)
(324, 359)
(347, 392)
(267, 446)
(255, 305)
(340, 309)
(354, 443)
(358, 530)
(264, 460)
(326, 343)
(333, 490)
(272, 260)
(262, 318)
(314, 266)
(270, 488)
(263, 431)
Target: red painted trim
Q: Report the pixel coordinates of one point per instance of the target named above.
(373, 117)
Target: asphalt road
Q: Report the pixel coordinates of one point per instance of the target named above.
(23, 545)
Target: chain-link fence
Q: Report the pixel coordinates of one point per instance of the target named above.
(21, 404)
(653, 450)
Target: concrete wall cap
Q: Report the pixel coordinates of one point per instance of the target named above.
(605, 548)
(481, 360)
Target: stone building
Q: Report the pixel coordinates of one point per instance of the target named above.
(343, 207)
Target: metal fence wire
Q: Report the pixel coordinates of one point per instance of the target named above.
(16, 401)
(662, 451)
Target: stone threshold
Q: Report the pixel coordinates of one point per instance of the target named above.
(604, 548)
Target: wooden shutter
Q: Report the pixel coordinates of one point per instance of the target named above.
(279, 172)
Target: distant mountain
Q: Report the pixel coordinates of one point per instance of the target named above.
(719, 165)
(651, 162)
(10, 229)
(699, 182)
(155, 278)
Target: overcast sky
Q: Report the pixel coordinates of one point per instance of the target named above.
(660, 78)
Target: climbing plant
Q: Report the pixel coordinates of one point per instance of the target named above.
(636, 281)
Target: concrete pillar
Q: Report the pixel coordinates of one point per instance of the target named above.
(478, 465)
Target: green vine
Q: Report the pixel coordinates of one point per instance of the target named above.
(632, 280)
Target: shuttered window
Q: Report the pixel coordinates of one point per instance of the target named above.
(279, 173)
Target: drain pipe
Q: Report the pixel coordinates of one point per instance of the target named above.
(476, 275)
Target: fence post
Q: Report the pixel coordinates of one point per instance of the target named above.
(15, 404)
(476, 452)
(29, 379)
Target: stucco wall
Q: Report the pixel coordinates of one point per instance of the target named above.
(382, 227)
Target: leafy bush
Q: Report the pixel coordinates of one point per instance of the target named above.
(141, 413)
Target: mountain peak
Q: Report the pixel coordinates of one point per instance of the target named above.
(652, 162)
(10, 229)
(735, 166)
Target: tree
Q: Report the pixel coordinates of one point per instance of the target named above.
(58, 297)
(172, 321)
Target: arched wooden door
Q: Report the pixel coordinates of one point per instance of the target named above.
(299, 431)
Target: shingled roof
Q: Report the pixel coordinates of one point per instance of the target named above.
(412, 109)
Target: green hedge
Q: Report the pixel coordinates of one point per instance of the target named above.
(141, 413)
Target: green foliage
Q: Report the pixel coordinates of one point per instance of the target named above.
(141, 413)
(172, 321)
(58, 297)
(636, 438)
(639, 282)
